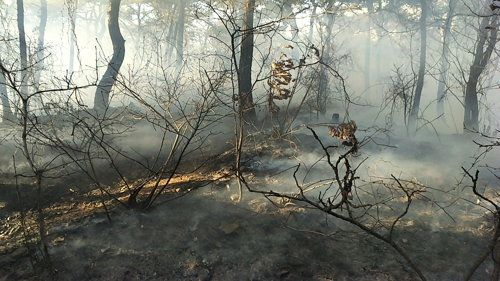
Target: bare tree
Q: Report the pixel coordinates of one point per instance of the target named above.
(399, 97)
(41, 38)
(486, 199)
(33, 143)
(72, 8)
(245, 97)
(101, 98)
(180, 34)
(490, 249)
(4, 98)
(485, 43)
(22, 47)
(367, 70)
(443, 73)
(421, 68)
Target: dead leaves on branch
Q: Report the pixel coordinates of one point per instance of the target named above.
(346, 132)
(281, 80)
(343, 131)
(281, 77)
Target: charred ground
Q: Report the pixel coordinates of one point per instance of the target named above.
(204, 234)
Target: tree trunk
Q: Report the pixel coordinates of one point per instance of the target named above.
(311, 21)
(139, 25)
(72, 13)
(4, 99)
(378, 55)
(421, 69)
(368, 45)
(245, 66)
(41, 224)
(481, 58)
(171, 35)
(444, 57)
(22, 48)
(101, 98)
(329, 27)
(180, 35)
(41, 38)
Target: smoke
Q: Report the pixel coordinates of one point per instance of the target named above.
(198, 232)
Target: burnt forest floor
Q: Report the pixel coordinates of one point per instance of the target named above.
(208, 235)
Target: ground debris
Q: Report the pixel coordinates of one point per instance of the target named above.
(229, 228)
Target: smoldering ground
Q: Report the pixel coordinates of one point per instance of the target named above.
(206, 235)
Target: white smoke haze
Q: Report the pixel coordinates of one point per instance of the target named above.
(174, 125)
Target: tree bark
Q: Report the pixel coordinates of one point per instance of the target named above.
(4, 99)
(101, 98)
(22, 48)
(245, 66)
(368, 45)
(41, 38)
(482, 54)
(72, 12)
(444, 57)
(329, 27)
(171, 35)
(311, 21)
(180, 35)
(421, 69)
